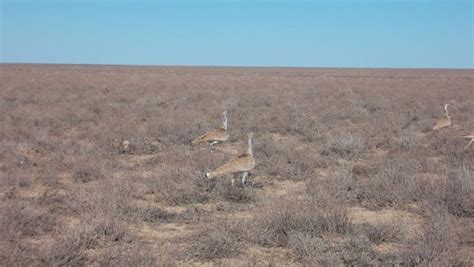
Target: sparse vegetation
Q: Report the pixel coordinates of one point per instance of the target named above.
(348, 170)
(215, 241)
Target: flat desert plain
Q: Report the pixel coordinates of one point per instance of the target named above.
(97, 166)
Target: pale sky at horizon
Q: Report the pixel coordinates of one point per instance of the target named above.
(358, 33)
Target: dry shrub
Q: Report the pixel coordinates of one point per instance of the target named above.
(379, 233)
(50, 180)
(108, 198)
(357, 252)
(19, 221)
(236, 194)
(180, 186)
(345, 144)
(71, 246)
(192, 214)
(175, 130)
(148, 214)
(70, 251)
(392, 185)
(309, 249)
(155, 215)
(283, 161)
(459, 196)
(275, 225)
(17, 253)
(134, 254)
(217, 240)
(22, 219)
(181, 180)
(351, 251)
(19, 178)
(396, 185)
(336, 189)
(438, 245)
(407, 141)
(57, 202)
(86, 169)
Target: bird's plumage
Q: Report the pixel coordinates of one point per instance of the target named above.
(214, 136)
(444, 121)
(243, 163)
(441, 123)
(219, 134)
(469, 136)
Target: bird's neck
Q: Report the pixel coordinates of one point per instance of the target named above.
(249, 148)
(225, 123)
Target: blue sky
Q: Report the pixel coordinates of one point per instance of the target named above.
(358, 33)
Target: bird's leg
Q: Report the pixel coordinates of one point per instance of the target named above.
(244, 176)
(233, 178)
(212, 144)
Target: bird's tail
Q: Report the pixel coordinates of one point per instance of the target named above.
(222, 170)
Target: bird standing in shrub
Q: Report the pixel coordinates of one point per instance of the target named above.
(214, 136)
(444, 121)
(241, 165)
(469, 136)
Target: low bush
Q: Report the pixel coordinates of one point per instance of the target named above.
(217, 240)
(274, 226)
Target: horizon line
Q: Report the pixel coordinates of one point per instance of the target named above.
(231, 66)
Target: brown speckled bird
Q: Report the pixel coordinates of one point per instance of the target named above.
(214, 136)
(241, 164)
(444, 121)
(469, 136)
